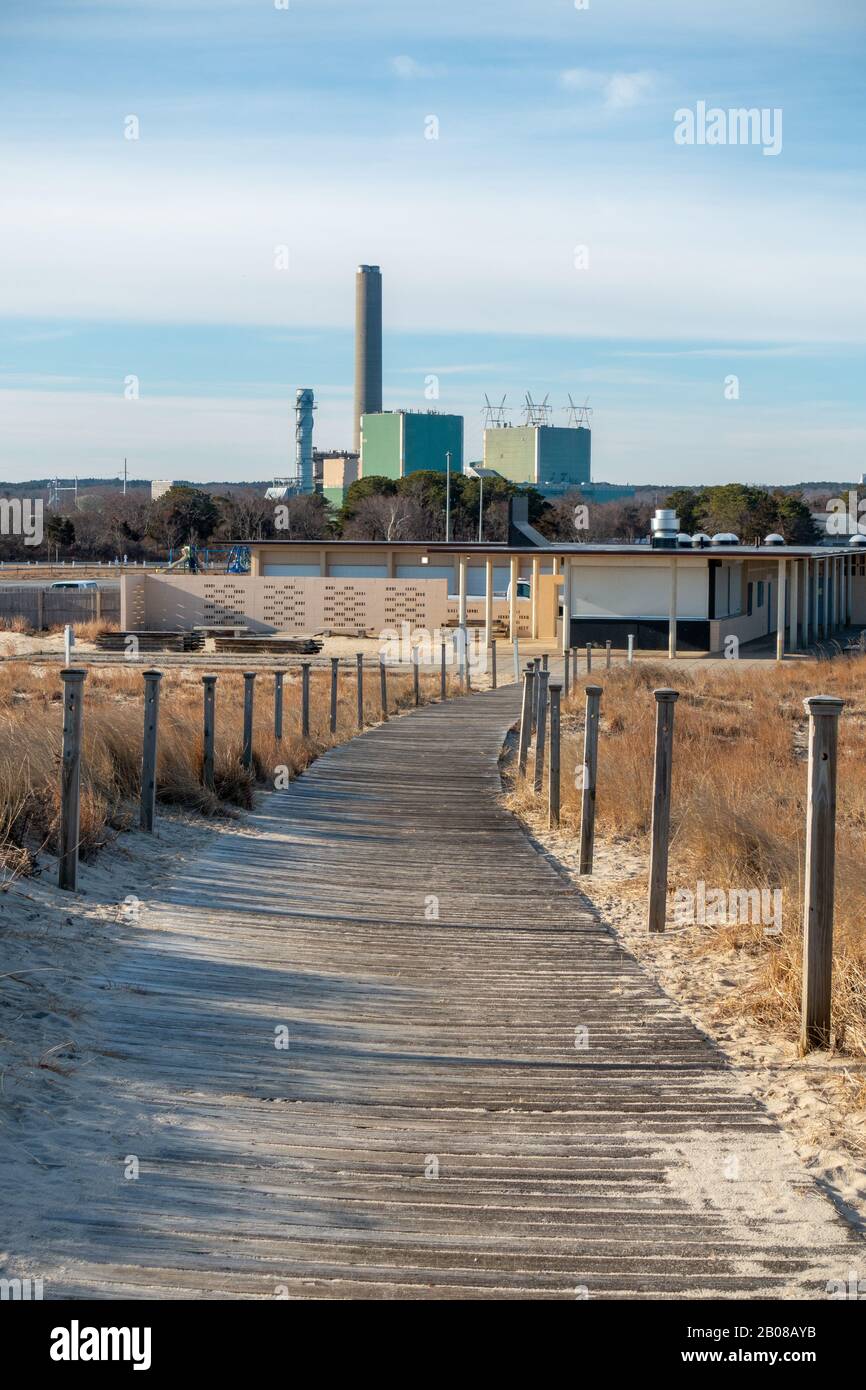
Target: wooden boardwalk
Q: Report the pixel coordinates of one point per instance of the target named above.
(418, 1045)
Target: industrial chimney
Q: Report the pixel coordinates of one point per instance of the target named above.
(304, 408)
(368, 345)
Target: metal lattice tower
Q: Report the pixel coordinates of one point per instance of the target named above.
(536, 414)
(579, 416)
(494, 415)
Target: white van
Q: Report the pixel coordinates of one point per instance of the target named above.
(77, 584)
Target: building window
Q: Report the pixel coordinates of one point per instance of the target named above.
(760, 599)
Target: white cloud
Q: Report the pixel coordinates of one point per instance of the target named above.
(134, 236)
(620, 90)
(409, 69)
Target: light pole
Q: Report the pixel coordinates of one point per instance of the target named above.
(447, 497)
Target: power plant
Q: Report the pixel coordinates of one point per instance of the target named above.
(393, 443)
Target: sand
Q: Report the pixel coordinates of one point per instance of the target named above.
(811, 1098)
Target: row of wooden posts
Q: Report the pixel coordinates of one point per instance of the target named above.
(73, 703)
(540, 694)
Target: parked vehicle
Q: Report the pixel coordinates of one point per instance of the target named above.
(81, 585)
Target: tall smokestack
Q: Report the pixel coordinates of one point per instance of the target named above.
(304, 407)
(368, 344)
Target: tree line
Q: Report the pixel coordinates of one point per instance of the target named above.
(107, 524)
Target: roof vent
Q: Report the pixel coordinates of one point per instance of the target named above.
(700, 539)
(683, 539)
(725, 538)
(665, 527)
(774, 539)
(857, 540)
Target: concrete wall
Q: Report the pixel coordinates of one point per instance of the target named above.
(539, 454)
(174, 603)
(396, 443)
(380, 446)
(511, 452)
(603, 588)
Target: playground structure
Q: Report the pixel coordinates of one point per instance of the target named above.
(193, 559)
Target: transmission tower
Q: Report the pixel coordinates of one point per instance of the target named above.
(494, 415)
(579, 416)
(536, 414)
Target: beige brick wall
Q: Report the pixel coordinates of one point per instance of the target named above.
(180, 602)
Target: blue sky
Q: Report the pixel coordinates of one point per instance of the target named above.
(305, 128)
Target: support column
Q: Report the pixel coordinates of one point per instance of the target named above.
(461, 590)
(536, 572)
(849, 583)
(780, 609)
(795, 605)
(672, 619)
(488, 602)
(807, 600)
(512, 599)
(566, 607)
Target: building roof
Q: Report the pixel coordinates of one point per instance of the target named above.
(636, 550)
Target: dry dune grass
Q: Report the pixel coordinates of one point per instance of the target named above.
(738, 807)
(30, 744)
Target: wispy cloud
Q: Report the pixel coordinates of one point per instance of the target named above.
(619, 90)
(409, 69)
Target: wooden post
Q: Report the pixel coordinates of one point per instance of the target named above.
(70, 776)
(493, 664)
(278, 705)
(541, 731)
(207, 771)
(305, 699)
(631, 649)
(148, 753)
(565, 674)
(359, 681)
(661, 812)
(335, 676)
(823, 712)
(588, 657)
(443, 672)
(536, 666)
(416, 677)
(589, 779)
(553, 772)
(383, 686)
(607, 646)
(249, 688)
(526, 709)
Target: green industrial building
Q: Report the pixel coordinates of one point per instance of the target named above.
(397, 442)
(542, 456)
